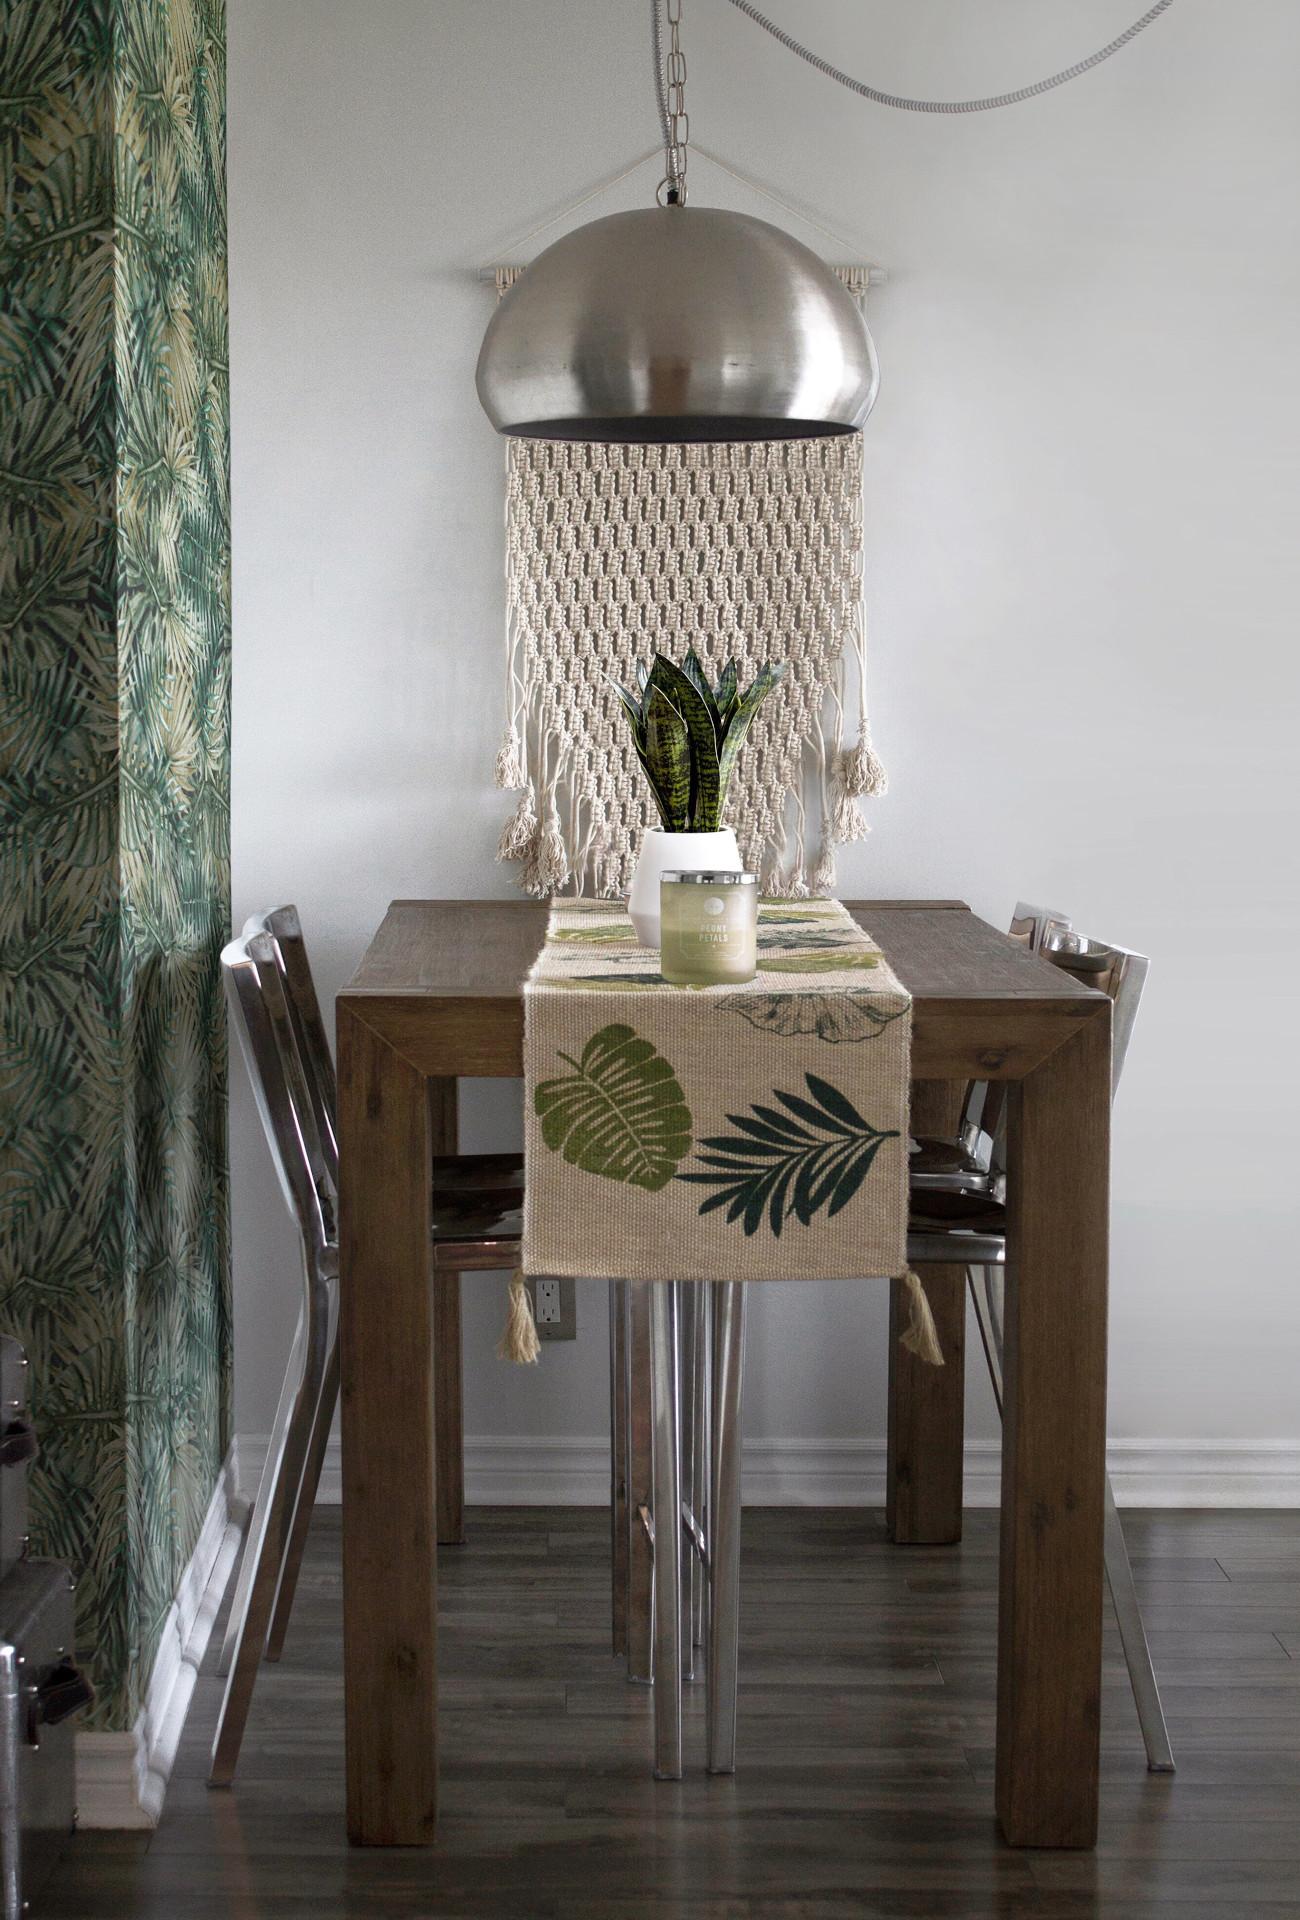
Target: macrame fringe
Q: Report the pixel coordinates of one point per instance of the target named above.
(511, 773)
(519, 1342)
(862, 771)
(551, 867)
(823, 873)
(519, 835)
(920, 1336)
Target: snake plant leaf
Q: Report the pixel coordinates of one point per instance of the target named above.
(725, 696)
(667, 759)
(667, 677)
(676, 709)
(742, 718)
(620, 1113)
(777, 1165)
(631, 703)
(693, 668)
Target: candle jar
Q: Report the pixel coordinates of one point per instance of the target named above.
(708, 928)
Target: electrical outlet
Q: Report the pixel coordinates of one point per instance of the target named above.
(554, 1309)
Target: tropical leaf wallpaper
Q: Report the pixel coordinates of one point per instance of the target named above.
(114, 789)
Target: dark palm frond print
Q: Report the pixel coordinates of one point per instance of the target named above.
(114, 797)
(813, 1155)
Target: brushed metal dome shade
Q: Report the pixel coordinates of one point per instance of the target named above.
(677, 323)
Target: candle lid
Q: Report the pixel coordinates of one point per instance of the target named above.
(710, 878)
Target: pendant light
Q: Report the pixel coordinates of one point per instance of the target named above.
(677, 323)
(682, 324)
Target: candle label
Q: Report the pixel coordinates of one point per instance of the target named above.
(707, 935)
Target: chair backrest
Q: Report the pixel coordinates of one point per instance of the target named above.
(262, 1020)
(284, 928)
(984, 1108)
(1112, 970)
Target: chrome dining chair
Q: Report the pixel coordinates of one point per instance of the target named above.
(958, 1206)
(477, 1223)
(263, 1025)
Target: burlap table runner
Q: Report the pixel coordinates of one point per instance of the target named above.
(756, 1132)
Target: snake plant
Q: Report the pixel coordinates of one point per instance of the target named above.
(688, 735)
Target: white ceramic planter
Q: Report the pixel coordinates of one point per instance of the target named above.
(692, 852)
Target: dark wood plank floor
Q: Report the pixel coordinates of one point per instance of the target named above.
(866, 1747)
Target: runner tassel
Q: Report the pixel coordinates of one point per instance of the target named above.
(519, 1342)
(921, 1336)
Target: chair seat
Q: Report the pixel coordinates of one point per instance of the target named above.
(463, 1220)
(942, 1212)
(477, 1197)
(945, 1166)
(928, 1246)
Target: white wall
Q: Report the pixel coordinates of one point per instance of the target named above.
(1081, 476)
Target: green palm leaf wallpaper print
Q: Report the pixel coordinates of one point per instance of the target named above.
(114, 789)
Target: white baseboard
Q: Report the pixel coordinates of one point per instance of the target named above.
(122, 1777)
(573, 1472)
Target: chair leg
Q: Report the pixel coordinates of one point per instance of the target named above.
(305, 1503)
(728, 1317)
(665, 1391)
(618, 1509)
(986, 1286)
(640, 1491)
(700, 1447)
(274, 1453)
(272, 1513)
(1137, 1654)
(686, 1430)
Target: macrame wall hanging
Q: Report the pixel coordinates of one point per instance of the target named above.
(751, 549)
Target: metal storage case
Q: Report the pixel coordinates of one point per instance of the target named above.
(40, 1690)
(17, 1451)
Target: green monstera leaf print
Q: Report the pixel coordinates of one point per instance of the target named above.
(604, 933)
(620, 1112)
(845, 960)
(814, 1155)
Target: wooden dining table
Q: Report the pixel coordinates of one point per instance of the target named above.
(437, 998)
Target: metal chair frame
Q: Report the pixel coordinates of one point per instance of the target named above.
(1122, 975)
(265, 1029)
(277, 1019)
(677, 1356)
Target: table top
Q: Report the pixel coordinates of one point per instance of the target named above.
(445, 979)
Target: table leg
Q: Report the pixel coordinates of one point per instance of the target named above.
(1054, 1446)
(389, 1471)
(449, 1410)
(927, 1405)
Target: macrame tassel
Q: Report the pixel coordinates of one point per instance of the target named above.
(511, 773)
(519, 835)
(519, 1342)
(823, 874)
(862, 771)
(845, 819)
(551, 869)
(921, 1336)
